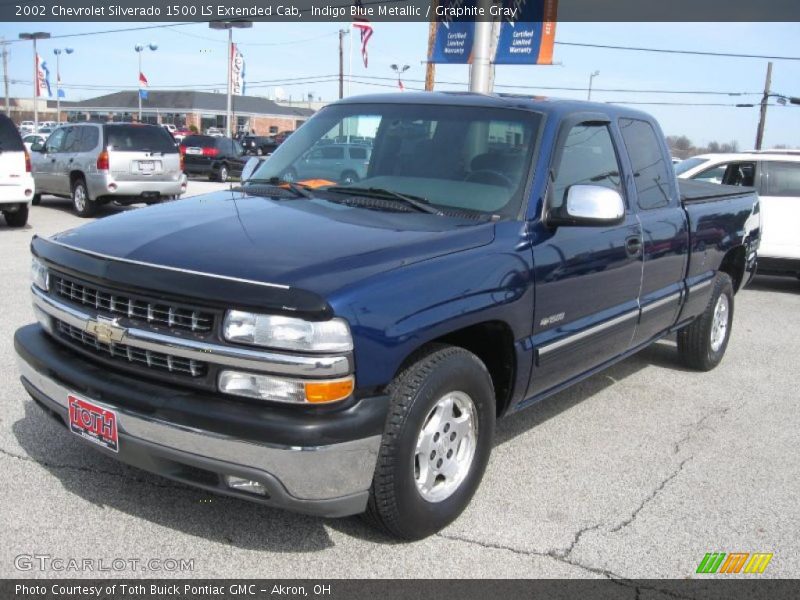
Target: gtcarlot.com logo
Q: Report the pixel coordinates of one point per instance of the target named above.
(70, 564)
(735, 562)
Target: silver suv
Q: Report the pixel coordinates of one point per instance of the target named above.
(96, 163)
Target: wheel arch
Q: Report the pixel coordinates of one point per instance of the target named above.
(734, 264)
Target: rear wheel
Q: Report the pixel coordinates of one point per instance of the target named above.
(18, 218)
(702, 343)
(80, 199)
(37, 199)
(436, 443)
(223, 173)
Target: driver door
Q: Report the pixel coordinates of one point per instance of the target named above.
(587, 278)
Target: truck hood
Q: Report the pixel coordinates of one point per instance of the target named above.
(313, 245)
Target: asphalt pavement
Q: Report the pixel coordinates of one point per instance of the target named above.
(635, 473)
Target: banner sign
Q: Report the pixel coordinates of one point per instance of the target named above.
(42, 86)
(528, 39)
(237, 71)
(454, 36)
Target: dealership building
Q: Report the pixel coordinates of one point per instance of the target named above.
(184, 109)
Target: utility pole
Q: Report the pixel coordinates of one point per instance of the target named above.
(480, 80)
(5, 75)
(430, 67)
(591, 78)
(342, 33)
(762, 122)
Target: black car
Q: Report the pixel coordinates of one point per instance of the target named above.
(217, 157)
(260, 145)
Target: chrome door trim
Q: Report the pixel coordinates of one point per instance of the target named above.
(576, 337)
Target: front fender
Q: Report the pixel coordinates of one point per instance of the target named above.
(395, 313)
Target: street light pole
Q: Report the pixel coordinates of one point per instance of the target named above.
(591, 77)
(57, 52)
(230, 26)
(139, 49)
(37, 35)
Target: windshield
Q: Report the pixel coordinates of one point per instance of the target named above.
(456, 157)
(689, 163)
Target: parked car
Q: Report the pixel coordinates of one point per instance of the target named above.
(215, 131)
(258, 144)
(347, 349)
(345, 163)
(170, 127)
(16, 184)
(776, 177)
(32, 138)
(96, 163)
(218, 158)
(179, 134)
(282, 136)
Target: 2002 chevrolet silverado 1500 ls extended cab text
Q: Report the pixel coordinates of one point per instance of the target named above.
(342, 348)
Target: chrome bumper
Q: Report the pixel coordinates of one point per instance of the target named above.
(331, 480)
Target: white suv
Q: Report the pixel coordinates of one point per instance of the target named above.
(776, 176)
(16, 182)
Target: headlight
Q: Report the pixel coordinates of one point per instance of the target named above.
(278, 389)
(39, 275)
(287, 333)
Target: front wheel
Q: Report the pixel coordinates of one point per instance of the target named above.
(436, 443)
(223, 174)
(702, 343)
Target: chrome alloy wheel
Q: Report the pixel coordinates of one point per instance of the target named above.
(445, 446)
(79, 197)
(719, 324)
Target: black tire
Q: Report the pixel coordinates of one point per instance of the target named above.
(395, 503)
(19, 218)
(83, 206)
(349, 177)
(37, 199)
(699, 343)
(222, 176)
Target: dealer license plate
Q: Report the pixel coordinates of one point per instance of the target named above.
(146, 166)
(93, 423)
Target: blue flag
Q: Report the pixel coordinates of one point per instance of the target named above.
(143, 94)
(61, 94)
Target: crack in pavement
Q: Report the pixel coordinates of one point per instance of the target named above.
(85, 469)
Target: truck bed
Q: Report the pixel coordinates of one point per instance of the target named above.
(703, 191)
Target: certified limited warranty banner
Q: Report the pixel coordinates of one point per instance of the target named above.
(390, 10)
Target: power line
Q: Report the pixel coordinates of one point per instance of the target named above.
(673, 51)
(108, 31)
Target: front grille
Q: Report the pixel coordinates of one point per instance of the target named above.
(168, 315)
(136, 356)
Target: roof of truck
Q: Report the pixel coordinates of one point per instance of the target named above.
(559, 106)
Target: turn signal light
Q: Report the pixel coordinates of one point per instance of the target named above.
(27, 162)
(329, 391)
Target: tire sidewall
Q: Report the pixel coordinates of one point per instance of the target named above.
(722, 286)
(459, 372)
(223, 173)
(87, 207)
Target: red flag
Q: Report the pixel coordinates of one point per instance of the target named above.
(400, 85)
(142, 79)
(366, 32)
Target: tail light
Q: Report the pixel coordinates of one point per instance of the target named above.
(27, 162)
(210, 151)
(182, 149)
(102, 161)
(182, 162)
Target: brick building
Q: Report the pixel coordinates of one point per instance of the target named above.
(186, 108)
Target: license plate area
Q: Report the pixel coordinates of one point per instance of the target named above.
(194, 150)
(147, 167)
(93, 423)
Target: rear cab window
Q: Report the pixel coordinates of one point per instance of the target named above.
(653, 174)
(10, 139)
(139, 138)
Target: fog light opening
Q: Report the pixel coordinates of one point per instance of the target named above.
(245, 485)
(112, 187)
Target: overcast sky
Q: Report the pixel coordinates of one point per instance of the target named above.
(195, 55)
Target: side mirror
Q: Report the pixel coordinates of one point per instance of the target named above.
(589, 206)
(250, 167)
(38, 146)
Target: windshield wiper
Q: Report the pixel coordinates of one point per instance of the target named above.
(421, 204)
(298, 189)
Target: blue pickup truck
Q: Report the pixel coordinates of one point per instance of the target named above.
(340, 345)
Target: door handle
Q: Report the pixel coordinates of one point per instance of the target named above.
(633, 245)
